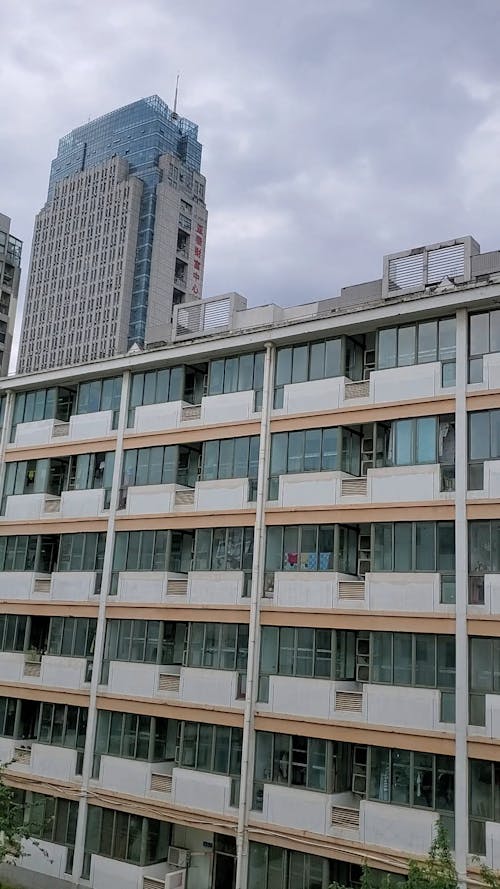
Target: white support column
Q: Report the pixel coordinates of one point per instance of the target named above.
(88, 754)
(247, 753)
(462, 587)
(5, 434)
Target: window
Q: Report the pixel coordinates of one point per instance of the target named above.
(412, 659)
(132, 838)
(418, 344)
(99, 395)
(484, 801)
(152, 551)
(42, 404)
(239, 373)
(313, 450)
(305, 651)
(217, 646)
(316, 361)
(230, 458)
(133, 736)
(82, 552)
(484, 444)
(223, 549)
(12, 632)
(211, 748)
(145, 641)
(173, 464)
(91, 471)
(291, 760)
(484, 671)
(72, 636)
(311, 548)
(51, 818)
(29, 553)
(8, 710)
(62, 725)
(484, 338)
(407, 778)
(484, 556)
(414, 546)
(274, 868)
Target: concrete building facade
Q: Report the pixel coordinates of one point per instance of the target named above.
(10, 272)
(250, 586)
(120, 241)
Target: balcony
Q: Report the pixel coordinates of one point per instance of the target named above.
(218, 587)
(133, 776)
(59, 586)
(315, 395)
(393, 484)
(27, 507)
(218, 688)
(400, 592)
(106, 872)
(151, 586)
(314, 589)
(229, 408)
(202, 791)
(42, 760)
(228, 493)
(404, 383)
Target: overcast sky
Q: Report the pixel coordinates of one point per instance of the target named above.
(333, 131)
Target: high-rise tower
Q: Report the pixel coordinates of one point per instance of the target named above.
(10, 262)
(121, 239)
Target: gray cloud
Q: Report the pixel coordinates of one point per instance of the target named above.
(333, 131)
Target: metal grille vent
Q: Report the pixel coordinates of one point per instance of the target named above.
(347, 818)
(177, 587)
(354, 487)
(191, 413)
(216, 314)
(357, 390)
(447, 262)
(53, 505)
(351, 589)
(184, 498)
(22, 756)
(406, 272)
(152, 883)
(42, 585)
(161, 783)
(60, 430)
(169, 683)
(349, 701)
(32, 669)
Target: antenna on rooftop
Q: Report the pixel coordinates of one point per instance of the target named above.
(174, 113)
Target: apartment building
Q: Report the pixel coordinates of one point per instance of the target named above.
(10, 272)
(120, 240)
(250, 583)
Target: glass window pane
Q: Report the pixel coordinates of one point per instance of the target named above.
(400, 777)
(403, 649)
(425, 557)
(479, 340)
(300, 361)
(231, 375)
(245, 373)
(283, 367)
(425, 660)
(295, 451)
(387, 348)
(403, 560)
(216, 382)
(329, 456)
(479, 435)
(446, 339)
(426, 440)
(405, 430)
(333, 358)
(317, 368)
(427, 342)
(383, 547)
(312, 450)
(406, 346)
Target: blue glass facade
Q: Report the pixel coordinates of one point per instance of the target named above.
(141, 133)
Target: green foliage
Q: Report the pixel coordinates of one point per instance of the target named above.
(12, 826)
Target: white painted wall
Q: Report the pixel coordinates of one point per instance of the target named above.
(88, 503)
(491, 371)
(296, 808)
(314, 395)
(36, 433)
(125, 775)
(63, 672)
(309, 489)
(157, 417)
(405, 707)
(139, 680)
(7, 749)
(200, 868)
(11, 666)
(396, 827)
(73, 586)
(19, 585)
(25, 506)
(310, 589)
(201, 685)
(227, 493)
(43, 857)
(141, 586)
(491, 597)
(492, 857)
(94, 425)
(201, 790)
(398, 591)
(215, 587)
(401, 383)
(49, 761)
(106, 872)
(143, 499)
(231, 407)
(394, 484)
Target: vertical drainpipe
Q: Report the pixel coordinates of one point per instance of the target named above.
(88, 754)
(254, 626)
(461, 638)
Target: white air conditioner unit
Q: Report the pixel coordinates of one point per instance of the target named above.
(178, 857)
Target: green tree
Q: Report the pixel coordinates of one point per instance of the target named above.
(437, 871)
(13, 829)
